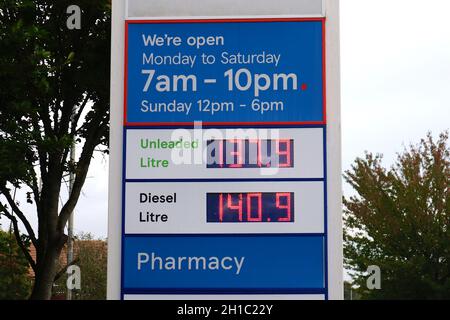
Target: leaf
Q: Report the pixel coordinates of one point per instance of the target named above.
(400, 221)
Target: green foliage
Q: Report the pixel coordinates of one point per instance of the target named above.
(54, 91)
(93, 262)
(400, 222)
(45, 71)
(350, 293)
(15, 282)
(91, 257)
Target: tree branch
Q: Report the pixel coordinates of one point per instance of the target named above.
(82, 168)
(63, 270)
(19, 214)
(18, 238)
(34, 184)
(42, 155)
(74, 123)
(44, 115)
(80, 111)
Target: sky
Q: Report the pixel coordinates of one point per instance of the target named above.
(395, 62)
(395, 85)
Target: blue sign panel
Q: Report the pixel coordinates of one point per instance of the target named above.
(225, 73)
(195, 234)
(252, 262)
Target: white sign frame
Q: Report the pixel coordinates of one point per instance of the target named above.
(330, 10)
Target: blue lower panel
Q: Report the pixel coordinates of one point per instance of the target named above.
(248, 262)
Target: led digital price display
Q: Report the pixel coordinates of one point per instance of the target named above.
(249, 153)
(250, 207)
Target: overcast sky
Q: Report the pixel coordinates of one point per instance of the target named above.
(395, 88)
(395, 73)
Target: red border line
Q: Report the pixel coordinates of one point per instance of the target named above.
(222, 123)
(125, 92)
(225, 20)
(231, 20)
(324, 71)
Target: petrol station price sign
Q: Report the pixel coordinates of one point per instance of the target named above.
(224, 182)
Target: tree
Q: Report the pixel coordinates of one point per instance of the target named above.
(15, 282)
(399, 220)
(54, 91)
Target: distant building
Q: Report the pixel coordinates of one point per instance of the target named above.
(98, 246)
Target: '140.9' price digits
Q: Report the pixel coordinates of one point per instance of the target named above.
(250, 207)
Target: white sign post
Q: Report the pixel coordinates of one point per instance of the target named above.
(225, 170)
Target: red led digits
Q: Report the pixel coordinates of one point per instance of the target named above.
(250, 207)
(258, 151)
(221, 162)
(237, 207)
(230, 206)
(221, 207)
(258, 197)
(251, 153)
(239, 154)
(284, 153)
(286, 206)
